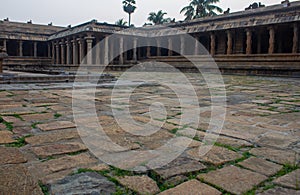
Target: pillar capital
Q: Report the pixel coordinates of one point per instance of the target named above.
(228, 32)
(80, 40)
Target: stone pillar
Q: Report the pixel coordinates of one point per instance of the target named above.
(121, 58)
(35, 49)
(170, 47)
(57, 53)
(81, 50)
(5, 45)
(158, 45)
(196, 52)
(148, 53)
(295, 39)
(21, 48)
(75, 51)
(134, 57)
(98, 51)
(53, 52)
(212, 44)
(271, 40)
(106, 45)
(182, 45)
(111, 50)
(249, 41)
(89, 43)
(229, 42)
(3, 55)
(68, 56)
(49, 50)
(62, 52)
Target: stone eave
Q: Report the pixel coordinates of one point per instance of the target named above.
(88, 27)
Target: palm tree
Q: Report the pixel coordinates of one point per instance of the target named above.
(121, 22)
(129, 7)
(201, 8)
(158, 18)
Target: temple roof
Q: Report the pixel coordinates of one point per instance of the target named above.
(26, 31)
(92, 26)
(252, 18)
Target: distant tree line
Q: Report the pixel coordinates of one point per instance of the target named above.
(195, 9)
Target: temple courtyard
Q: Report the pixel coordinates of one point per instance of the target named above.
(257, 150)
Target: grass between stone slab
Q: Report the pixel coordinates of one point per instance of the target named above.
(110, 175)
(267, 184)
(57, 115)
(9, 126)
(224, 192)
(34, 125)
(44, 188)
(19, 142)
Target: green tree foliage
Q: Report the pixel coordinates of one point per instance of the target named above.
(201, 8)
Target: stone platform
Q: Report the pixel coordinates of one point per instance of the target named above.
(257, 151)
(15, 77)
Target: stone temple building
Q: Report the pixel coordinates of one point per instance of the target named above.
(264, 40)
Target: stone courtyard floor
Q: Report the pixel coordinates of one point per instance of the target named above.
(257, 151)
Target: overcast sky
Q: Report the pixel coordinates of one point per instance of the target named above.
(65, 12)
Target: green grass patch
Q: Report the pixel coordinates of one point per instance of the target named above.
(268, 186)
(227, 146)
(263, 104)
(57, 115)
(16, 116)
(34, 125)
(287, 168)
(120, 172)
(76, 153)
(44, 188)
(19, 142)
(9, 126)
(46, 159)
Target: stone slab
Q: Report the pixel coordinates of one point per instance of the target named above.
(38, 117)
(6, 137)
(276, 155)
(52, 137)
(84, 183)
(57, 149)
(140, 184)
(192, 187)
(11, 156)
(12, 119)
(16, 179)
(179, 166)
(261, 166)
(278, 140)
(291, 180)
(57, 125)
(216, 155)
(62, 164)
(100, 167)
(233, 179)
(280, 191)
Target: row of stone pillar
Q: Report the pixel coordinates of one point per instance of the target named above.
(74, 52)
(20, 48)
(70, 51)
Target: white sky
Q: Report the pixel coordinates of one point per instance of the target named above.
(64, 12)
